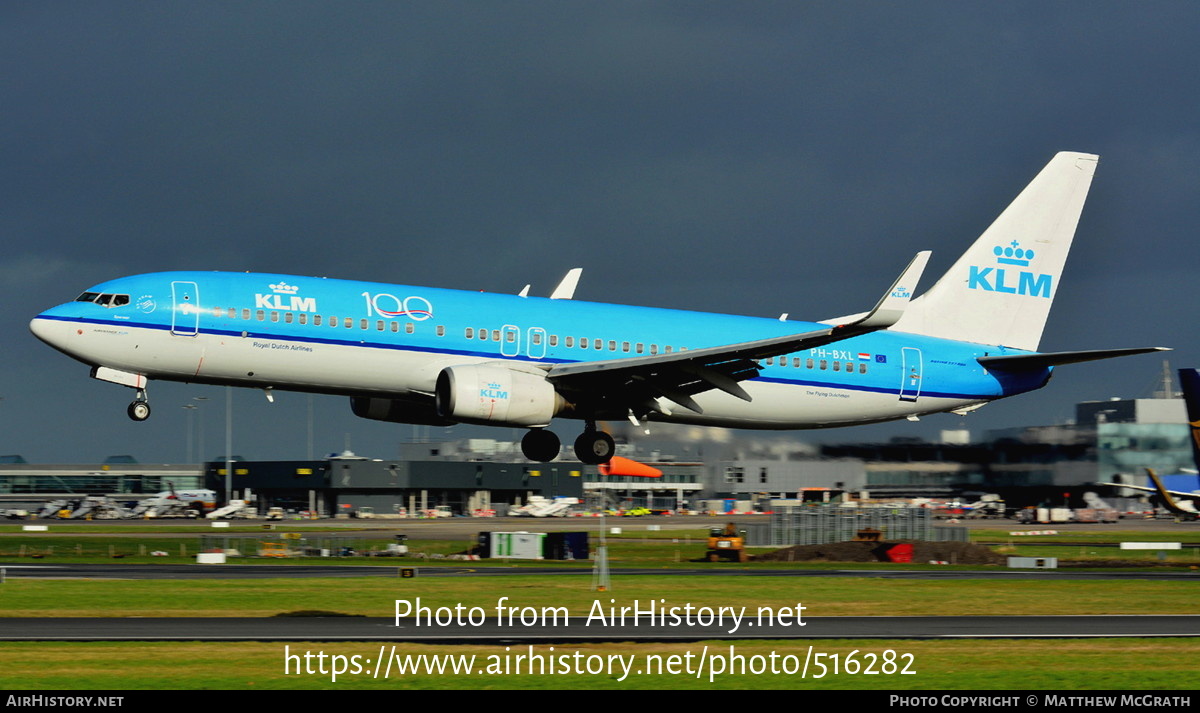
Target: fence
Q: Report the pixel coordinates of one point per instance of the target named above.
(822, 525)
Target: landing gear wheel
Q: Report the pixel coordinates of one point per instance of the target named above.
(594, 447)
(139, 410)
(540, 445)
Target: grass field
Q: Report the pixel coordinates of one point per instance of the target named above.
(375, 596)
(674, 548)
(1067, 665)
(1124, 664)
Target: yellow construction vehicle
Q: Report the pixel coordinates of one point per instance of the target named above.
(727, 543)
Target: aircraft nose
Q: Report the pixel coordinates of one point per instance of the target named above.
(47, 330)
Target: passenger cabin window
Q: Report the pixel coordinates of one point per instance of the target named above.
(570, 341)
(862, 367)
(441, 331)
(316, 320)
(469, 333)
(554, 340)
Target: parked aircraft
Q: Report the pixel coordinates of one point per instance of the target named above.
(1181, 503)
(435, 356)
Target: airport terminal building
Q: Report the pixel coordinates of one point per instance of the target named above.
(350, 485)
(1108, 441)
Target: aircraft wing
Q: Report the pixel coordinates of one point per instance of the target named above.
(635, 384)
(1186, 507)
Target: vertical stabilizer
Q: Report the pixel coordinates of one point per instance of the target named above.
(1001, 289)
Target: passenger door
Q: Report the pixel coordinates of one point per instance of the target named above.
(185, 313)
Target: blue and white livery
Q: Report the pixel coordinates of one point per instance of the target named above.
(434, 356)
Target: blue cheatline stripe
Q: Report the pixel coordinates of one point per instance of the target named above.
(848, 386)
(845, 386)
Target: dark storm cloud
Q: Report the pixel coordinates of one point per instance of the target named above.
(744, 157)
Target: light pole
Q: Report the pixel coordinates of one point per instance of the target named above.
(190, 408)
(200, 426)
(310, 426)
(228, 444)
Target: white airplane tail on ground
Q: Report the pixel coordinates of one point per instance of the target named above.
(1000, 290)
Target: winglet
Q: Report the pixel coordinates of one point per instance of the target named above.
(890, 308)
(566, 288)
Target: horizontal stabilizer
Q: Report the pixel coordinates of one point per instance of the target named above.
(1021, 362)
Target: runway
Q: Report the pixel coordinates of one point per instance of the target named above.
(578, 629)
(267, 571)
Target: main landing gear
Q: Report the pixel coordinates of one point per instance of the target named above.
(592, 447)
(139, 410)
(540, 445)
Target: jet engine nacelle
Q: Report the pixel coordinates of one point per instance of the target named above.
(496, 396)
(397, 411)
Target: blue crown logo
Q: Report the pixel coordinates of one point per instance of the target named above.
(1013, 255)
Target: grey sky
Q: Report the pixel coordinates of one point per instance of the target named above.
(750, 157)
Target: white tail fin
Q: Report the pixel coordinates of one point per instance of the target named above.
(1001, 289)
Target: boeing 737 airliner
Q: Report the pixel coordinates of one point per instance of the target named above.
(435, 356)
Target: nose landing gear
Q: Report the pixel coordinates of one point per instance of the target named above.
(139, 410)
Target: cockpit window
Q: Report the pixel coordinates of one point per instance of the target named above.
(103, 299)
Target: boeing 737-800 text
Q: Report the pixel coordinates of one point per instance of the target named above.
(436, 356)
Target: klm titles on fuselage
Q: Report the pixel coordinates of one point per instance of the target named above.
(294, 303)
(999, 279)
